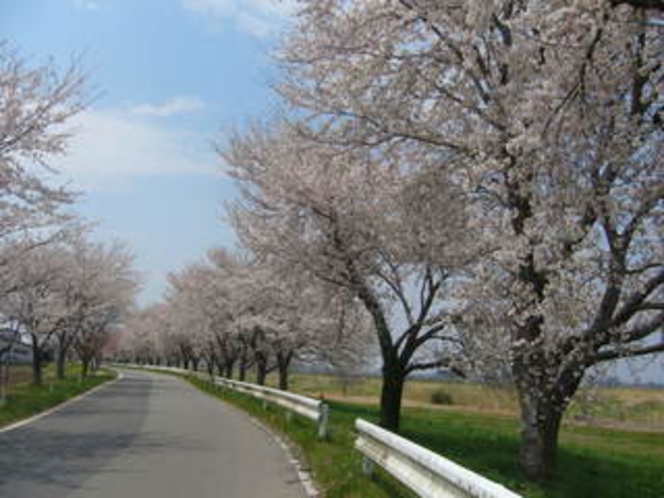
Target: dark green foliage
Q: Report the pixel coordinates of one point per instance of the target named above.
(440, 397)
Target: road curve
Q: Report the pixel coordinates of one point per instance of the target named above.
(145, 436)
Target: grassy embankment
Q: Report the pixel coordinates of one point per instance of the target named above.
(618, 408)
(478, 428)
(25, 400)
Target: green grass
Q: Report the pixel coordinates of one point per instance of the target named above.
(591, 461)
(25, 400)
(617, 407)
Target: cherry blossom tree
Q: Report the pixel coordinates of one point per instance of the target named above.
(103, 296)
(36, 302)
(349, 346)
(287, 317)
(193, 308)
(35, 105)
(549, 115)
(339, 217)
(63, 294)
(206, 300)
(231, 295)
(144, 337)
(98, 290)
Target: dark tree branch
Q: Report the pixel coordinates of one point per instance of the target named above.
(640, 4)
(617, 353)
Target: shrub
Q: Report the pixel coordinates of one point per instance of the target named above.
(440, 397)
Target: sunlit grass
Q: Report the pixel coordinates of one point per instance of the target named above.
(621, 407)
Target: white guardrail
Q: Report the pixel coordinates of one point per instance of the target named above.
(427, 473)
(310, 408)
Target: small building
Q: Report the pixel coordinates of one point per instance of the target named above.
(13, 350)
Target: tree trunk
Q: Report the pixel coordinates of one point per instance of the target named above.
(61, 364)
(242, 370)
(539, 438)
(261, 369)
(542, 409)
(283, 378)
(4, 383)
(390, 397)
(36, 363)
(228, 371)
(85, 367)
(220, 368)
(283, 365)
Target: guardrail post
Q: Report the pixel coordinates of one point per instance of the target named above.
(323, 421)
(367, 466)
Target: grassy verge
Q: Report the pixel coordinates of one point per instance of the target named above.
(25, 400)
(592, 462)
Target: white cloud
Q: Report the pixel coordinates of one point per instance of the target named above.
(282, 8)
(213, 8)
(178, 105)
(110, 148)
(259, 18)
(253, 25)
(86, 4)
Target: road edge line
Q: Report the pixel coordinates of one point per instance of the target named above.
(284, 443)
(64, 404)
(303, 476)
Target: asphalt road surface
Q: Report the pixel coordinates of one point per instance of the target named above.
(145, 436)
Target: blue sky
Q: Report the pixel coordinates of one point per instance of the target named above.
(172, 76)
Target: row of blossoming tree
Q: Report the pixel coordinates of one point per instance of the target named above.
(231, 314)
(60, 293)
(483, 178)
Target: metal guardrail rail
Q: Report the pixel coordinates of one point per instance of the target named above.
(428, 474)
(312, 409)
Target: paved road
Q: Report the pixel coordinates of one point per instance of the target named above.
(146, 436)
